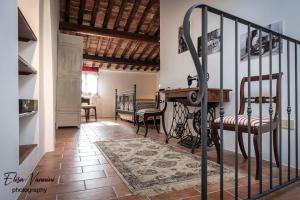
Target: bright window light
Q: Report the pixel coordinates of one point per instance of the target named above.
(89, 83)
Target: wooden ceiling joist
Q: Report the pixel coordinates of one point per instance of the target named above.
(107, 47)
(109, 7)
(67, 11)
(117, 48)
(155, 17)
(151, 53)
(94, 13)
(146, 11)
(132, 14)
(99, 45)
(81, 11)
(143, 52)
(135, 49)
(119, 17)
(126, 48)
(120, 61)
(103, 32)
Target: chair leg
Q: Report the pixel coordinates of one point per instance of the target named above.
(216, 141)
(164, 127)
(241, 144)
(257, 156)
(275, 146)
(146, 125)
(137, 121)
(86, 115)
(95, 113)
(156, 126)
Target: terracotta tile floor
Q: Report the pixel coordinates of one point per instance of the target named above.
(82, 172)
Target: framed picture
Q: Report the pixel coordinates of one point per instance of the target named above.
(182, 46)
(213, 42)
(254, 42)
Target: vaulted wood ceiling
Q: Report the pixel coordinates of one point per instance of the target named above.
(118, 34)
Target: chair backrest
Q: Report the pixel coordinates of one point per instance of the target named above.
(85, 100)
(264, 99)
(158, 101)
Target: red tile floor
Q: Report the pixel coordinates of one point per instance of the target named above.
(82, 172)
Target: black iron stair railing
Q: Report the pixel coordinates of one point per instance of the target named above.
(201, 97)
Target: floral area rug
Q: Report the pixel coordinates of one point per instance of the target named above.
(149, 167)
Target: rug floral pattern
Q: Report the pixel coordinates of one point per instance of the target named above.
(151, 167)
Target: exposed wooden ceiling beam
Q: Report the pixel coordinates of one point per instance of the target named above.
(132, 14)
(117, 48)
(107, 13)
(67, 11)
(81, 11)
(146, 11)
(94, 13)
(126, 48)
(118, 66)
(154, 68)
(132, 67)
(88, 40)
(145, 69)
(107, 47)
(143, 52)
(151, 53)
(119, 60)
(135, 49)
(119, 17)
(103, 32)
(153, 20)
(99, 45)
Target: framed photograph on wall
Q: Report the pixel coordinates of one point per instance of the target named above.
(213, 43)
(182, 46)
(254, 42)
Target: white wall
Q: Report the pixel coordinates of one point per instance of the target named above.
(146, 84)
(175, 67)
(9, 122)
(48, 59)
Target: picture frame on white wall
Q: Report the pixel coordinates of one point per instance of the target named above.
(182, 46)
(213, 42)
(254, 42)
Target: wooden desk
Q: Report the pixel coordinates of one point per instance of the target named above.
(179, 127)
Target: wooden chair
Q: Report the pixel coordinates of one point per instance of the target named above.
(229, 121)
(87, 108)
(152, 112)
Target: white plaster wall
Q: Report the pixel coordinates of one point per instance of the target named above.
(146, 84)
(175, 67)
(9, 122)
(48, 59)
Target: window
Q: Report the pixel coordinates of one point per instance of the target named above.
(89, 84)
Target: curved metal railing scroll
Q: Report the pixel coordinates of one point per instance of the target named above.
(193, 97)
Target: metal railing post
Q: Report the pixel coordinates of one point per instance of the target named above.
(204, 109)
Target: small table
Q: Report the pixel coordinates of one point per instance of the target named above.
(86, 109)
(180, 128)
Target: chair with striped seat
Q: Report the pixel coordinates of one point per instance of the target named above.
(229, 122)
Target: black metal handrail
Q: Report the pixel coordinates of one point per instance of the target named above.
(201, 98)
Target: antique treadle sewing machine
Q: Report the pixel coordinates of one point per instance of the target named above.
(183, 116)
